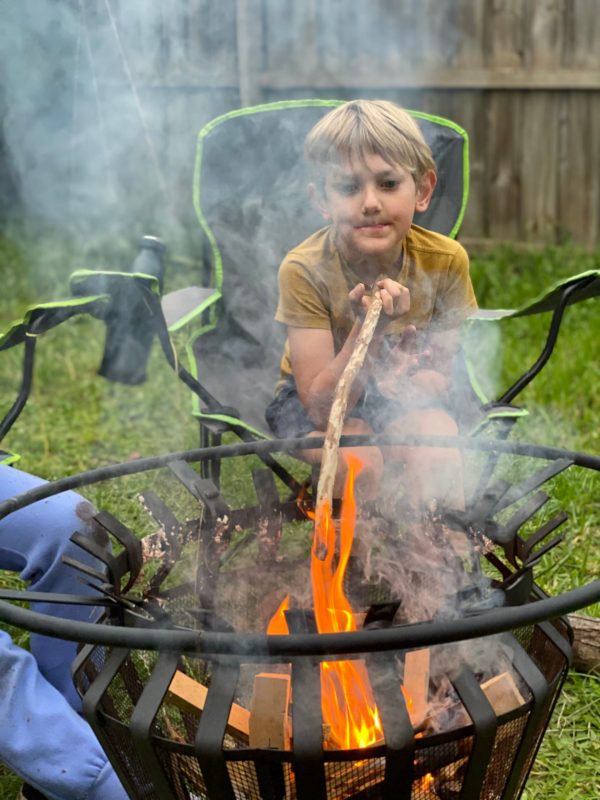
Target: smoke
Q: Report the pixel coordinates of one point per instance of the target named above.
(82, 132)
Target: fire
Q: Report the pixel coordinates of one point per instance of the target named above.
(349, 710)
(278, 625)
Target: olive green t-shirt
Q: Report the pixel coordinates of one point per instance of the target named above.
(314, 282)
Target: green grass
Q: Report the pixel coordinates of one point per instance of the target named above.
(76, 420)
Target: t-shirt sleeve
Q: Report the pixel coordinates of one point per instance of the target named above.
(456, 298)
(302, 304)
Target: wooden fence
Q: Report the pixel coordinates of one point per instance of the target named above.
(522, 76)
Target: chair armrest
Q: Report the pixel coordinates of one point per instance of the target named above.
(183, 305)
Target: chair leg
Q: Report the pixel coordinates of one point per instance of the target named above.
(210, 469)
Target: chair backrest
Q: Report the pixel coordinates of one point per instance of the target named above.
(250, 196)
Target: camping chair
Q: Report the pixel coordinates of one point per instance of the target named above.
(251, 202)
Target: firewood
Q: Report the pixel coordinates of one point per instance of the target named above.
(416, 684)
(269, 720)
(337, 414)
(502, 693)
(586, 645)
(190, 695)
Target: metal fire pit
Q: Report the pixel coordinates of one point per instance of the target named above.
(166, 744)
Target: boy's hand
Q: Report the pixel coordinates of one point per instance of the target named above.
(402, 364)
(395, 299)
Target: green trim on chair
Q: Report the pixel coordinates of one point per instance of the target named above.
(82, 275)
(20, 329)
(196, 312)
(196, 411)
(9, 458)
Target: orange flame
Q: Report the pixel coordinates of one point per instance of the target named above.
(278, 624)
(349, 710)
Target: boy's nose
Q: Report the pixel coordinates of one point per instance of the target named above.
(371, 203)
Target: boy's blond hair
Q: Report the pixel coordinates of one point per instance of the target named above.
(361, 127)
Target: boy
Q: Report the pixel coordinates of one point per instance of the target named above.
(371, 170)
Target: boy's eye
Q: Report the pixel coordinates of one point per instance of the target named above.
(347, 188)
(390, 183)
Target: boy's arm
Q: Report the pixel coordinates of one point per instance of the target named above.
(317, 369)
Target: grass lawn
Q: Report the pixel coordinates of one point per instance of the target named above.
(76, 420)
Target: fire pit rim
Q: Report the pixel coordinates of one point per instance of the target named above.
(269, 446)
(314, 645)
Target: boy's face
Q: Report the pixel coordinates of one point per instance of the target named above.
(371, 205)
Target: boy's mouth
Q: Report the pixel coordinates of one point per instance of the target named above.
(372, 226)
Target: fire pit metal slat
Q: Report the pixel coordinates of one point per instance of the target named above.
(309, 768)
(485, 724)
(522, 489)
(92, 703)
(271, 779)
(211, 729)
(541, 695)
(143, 718)
(397, 727)
(520, 517)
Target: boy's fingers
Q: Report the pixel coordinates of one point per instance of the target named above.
(357, 293)
(397, 303)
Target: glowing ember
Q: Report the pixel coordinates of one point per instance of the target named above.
(349, 710)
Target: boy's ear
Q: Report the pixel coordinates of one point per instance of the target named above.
(425, 190)
(318, 200)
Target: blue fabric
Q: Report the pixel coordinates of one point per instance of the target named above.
(42, 737)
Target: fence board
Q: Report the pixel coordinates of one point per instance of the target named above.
(504, 163)
(505, 33)
(539, 179)
(582, 34)
(545, 39)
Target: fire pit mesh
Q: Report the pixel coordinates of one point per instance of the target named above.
(441, 764)
(506, 745)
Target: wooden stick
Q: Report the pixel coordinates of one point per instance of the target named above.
(189, 695)
(337, 414)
